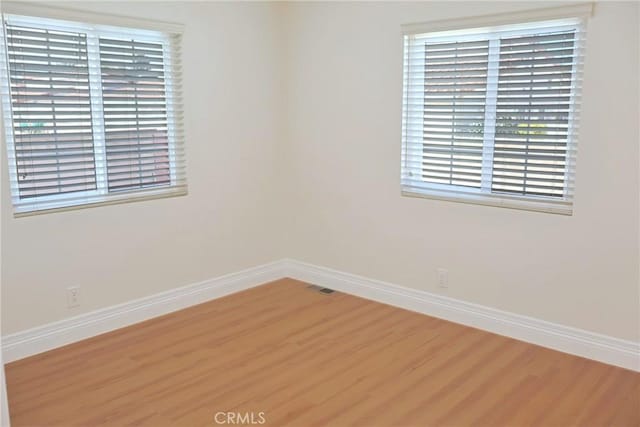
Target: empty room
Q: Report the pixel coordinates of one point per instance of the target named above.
(299, 213)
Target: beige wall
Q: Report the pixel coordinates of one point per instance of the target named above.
(233, 122)
(344, 112)
(293, 149)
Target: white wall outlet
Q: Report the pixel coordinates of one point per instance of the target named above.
(443, 277)
(73, 296)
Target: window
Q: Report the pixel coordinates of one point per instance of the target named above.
(490, 114)
(92, 113)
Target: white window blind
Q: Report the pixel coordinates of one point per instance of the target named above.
(490, 115)
(53, 138)
(135, 114)
(92, 113)
(455, 87)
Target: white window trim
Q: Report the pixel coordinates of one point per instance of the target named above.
(581, 10)
(491, 101)
(94, 25)
(87, 18)
(97, 114)
(467, 29)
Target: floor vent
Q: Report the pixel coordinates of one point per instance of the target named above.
(321, 289)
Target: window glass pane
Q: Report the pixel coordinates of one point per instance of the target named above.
(51, 111)
(533, 108)
(455, 86)
(135, 114)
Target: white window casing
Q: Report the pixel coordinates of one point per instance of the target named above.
(491, 108)
(92, 108)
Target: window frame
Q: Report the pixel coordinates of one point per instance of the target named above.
(94, 26)
(491, 28)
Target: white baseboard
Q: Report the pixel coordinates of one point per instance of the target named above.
(579, 342)
(33, 341)
(575, 341)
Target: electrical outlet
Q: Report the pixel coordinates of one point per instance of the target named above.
(443, 277)
(73, 296)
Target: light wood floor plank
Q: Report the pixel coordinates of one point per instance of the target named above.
(310, 359)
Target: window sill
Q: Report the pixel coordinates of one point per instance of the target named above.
(62, 206)
(502, 200)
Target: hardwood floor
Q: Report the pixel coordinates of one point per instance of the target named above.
(303, 358)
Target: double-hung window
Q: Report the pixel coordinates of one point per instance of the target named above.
(92, 112)
(490, 114)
